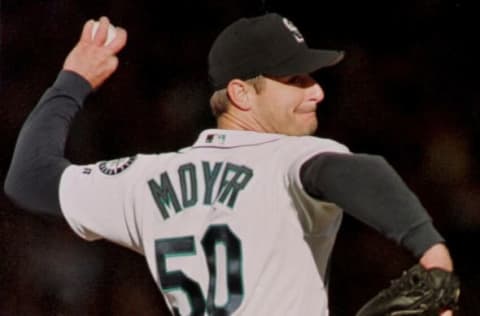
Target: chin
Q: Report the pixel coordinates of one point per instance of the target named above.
(311, 127)
(304, 130)
(311, 131)
(307, 125)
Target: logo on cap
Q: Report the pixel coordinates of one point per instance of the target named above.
(292, 28)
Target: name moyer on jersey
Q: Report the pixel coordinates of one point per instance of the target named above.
(234, 179)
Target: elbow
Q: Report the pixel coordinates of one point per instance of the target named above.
(23, 193)
(21, 187)
(35, 189)
(8, 186)
(12, 187)
(7, 189)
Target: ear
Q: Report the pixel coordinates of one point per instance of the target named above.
(241, 94)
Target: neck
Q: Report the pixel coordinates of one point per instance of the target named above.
(237, 122)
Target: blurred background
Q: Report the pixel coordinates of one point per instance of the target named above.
(406, 90)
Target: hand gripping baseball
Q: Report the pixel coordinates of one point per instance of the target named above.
(417, 292)
(94, 57)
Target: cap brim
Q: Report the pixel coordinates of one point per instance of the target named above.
(308, 61)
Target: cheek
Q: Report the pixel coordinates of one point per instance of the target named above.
(279, 106)
(296, 101)
(289, 105)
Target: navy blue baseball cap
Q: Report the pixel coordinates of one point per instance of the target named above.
(269, 45)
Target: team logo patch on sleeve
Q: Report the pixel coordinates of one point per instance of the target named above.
(116, 166)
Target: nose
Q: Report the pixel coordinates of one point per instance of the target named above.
(315, 92)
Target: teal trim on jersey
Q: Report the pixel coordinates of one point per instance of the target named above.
(216, 286)
(176, 280)
(180, 288)
(164, 195)
(210, 176)
(239, 261)
(222, 234)
(184, 171)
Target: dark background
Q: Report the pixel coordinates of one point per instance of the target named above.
(407, 90)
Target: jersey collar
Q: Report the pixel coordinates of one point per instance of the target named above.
(222, 138)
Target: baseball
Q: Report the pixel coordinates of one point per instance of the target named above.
(111, 32)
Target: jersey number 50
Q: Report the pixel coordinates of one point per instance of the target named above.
(177, 280)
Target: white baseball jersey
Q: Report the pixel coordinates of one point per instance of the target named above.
(225, 225)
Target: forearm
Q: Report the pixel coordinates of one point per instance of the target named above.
(38, 160)
(367, 188)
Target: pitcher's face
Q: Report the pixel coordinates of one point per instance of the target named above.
(287, 105)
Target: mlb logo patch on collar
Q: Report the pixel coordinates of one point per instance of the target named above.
(215, 139)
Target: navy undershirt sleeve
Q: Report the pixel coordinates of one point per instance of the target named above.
(38, 161)
(367, 188)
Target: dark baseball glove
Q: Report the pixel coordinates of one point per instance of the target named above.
(417, 292)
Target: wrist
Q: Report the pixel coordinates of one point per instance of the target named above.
(74, 85)
(437, 256)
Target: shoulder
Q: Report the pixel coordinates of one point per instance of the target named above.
(293, 151)
(126, 169)
(312, 145)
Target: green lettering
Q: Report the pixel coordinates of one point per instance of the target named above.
(184, 172)
(231, 187)
(210, 176)
(164, 195)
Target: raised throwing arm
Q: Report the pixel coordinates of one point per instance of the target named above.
(38, 160)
